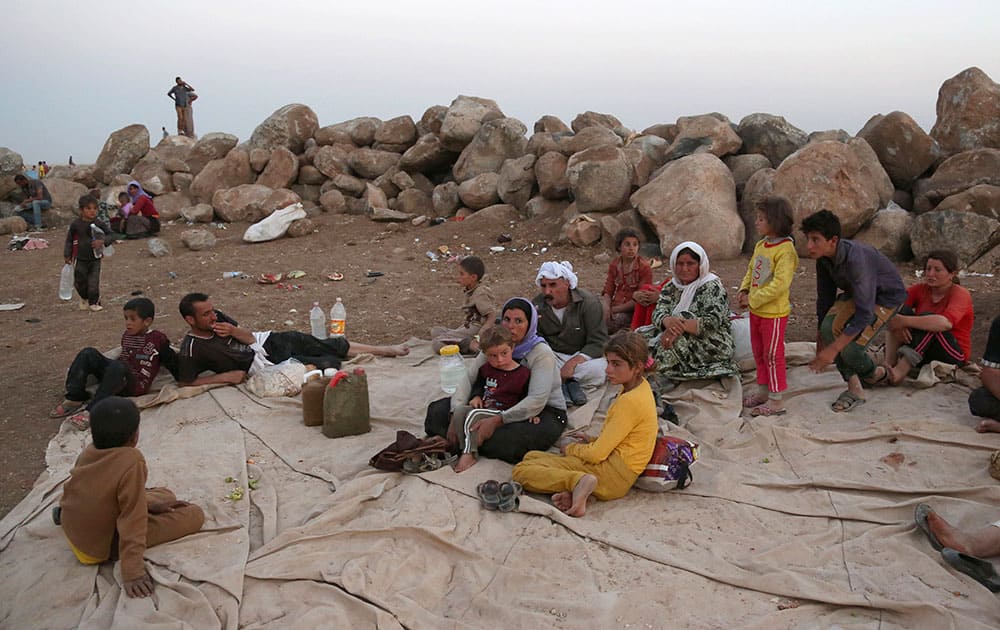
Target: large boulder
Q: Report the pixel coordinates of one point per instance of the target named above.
(550, 172)
(830, 135)
(743, 166)
(153, 175)
(759, 186)
(182, 182)
(596, 119)
(600, 179)
(445, 199)
(583, 230)
(903, 148)
(464, 117)
(957, 173)
(667, 131)
(170, 205)
(427, 155)
(259, 159)
(333, 134)
(211, 146)
(517, 181)
(550, 124)
(65, 193)
(480, 191)
(396, 132)
(983, 199)
(703, 134)
(197, 240)
(11, 164)
(347, 184)
(332, 201)
(198, 213)
(122, 150)
(13, 225)
(586, 138)
(496, 141)
(287, 127)
(229, 172)
(846, 179)
(250, 202)
(174, 147)
(309, 174)
(414, 201)
(362, 130)
(281, 171)
(889, 232)
(770, 135)
(540, 207)
(432, 119)
(693, 199)
(331, 160)
(968, 113)
(374, 198)
(967, 234)
(370, 163)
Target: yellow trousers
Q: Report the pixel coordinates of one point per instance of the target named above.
(550, 473)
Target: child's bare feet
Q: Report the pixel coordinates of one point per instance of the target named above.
(400, 350)
(465, 462)
(562, 500)
(946, 534)
(988, 426)
(584, 488)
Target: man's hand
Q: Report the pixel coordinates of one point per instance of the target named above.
(139, 587)
(223, 329)
(566, 371)
(233, 377)
(485, 427)
(476, 403)
(162, 507)
(824, 357)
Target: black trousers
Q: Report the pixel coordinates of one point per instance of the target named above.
(323, 353)
(984, 404)
(87, 279)
(511, 441)
(933, 346)
(113, 376)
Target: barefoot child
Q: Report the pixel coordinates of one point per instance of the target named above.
(626, 274)
(106, 498)
(608, 466)
(479, 309)
(85, 246)
(765, 290)
(501, 383)
(131, 374)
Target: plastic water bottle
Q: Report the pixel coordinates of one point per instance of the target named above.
(317, 321)
(452, 369)
(338, 319)
(66, 282)
(231, 274)
(97, 234)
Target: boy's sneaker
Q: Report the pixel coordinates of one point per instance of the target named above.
(84, 305)
(96, 307)
(57, 515)
(573, 393)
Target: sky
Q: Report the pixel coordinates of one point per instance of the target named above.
(74, 72)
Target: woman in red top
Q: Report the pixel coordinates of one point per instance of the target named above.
(935, 323)
(626, 274)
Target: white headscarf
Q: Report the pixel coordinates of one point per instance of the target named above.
(553, 270)
(704, 277)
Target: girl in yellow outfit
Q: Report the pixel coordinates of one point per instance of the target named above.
(608, 466)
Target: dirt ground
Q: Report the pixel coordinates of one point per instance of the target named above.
(41, 339)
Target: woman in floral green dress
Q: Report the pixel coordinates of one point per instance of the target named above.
(693, 337)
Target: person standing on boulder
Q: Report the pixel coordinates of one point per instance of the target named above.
(183, 95)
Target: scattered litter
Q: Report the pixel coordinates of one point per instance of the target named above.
(137, 292)
(336, 277)
(894, 460)
(269, 278)
(252, 484)
(33, 320)
(438, 220)
(443, 250)
(231, 274)
(293, 310)
(374, 274)
(12, 307)
(221, 226)
(962, 273)
(288, 286)
(505, 238)
(653, 262)
(24, 242)
(295, 275)
(432, 256)
(289, 322)
(496, 249)
(172, 275)
(545, 249)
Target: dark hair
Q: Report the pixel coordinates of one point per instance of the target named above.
(20, 178)
(690, 252)
(178, 79)
(87, 200)
(947, 258)
(186, 306)
(824, 222)
(95, 193)
(496, 336)
(778, 214)
(473, 265)
(142, 306)
(630, 346)
(113, 422)
(123, 194)
(623, 234)
(520, 304)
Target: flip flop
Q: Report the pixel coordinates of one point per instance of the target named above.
(754, 400)
(509, 493)
(766, 410)
(846, 402)
(80, 421)
(979, 570)
(489, 494)
(920, 518)
(65, 408)
(270, 278)
(882, 381)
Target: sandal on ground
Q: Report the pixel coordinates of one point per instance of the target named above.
(767, 410)
(754, 400)
(489, 494)
(920, 518)
(80, 420)
(979, 570)
(877, 381)
(509, 493)
(846, 402)
(426, 463)
(66, 408)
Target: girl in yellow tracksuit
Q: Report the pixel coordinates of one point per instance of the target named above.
(608, 466)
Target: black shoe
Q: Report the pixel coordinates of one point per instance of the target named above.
(979, 570)
(57, 515)
(573, 393)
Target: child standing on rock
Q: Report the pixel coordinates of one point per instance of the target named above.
(765, 290)
(85, 243)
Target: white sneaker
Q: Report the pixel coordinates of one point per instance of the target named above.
(83, 305)
(96, 307)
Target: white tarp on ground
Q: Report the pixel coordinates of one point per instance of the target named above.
(800, 520)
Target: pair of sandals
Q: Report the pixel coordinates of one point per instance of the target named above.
(758, 406)
(502, 497)
(978, 569)
(426, 462)
(79, 417)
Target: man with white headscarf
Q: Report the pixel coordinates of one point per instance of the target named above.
(571, 320)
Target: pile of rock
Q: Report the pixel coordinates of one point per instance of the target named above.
(892, 184)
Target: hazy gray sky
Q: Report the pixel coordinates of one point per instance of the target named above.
(73, 71)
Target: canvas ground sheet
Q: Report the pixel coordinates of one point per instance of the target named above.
(801, 520)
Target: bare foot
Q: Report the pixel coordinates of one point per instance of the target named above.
(562, 500)
(946, 534)
(584, 488)
(465, 462)
(988, 426)
(400, 350)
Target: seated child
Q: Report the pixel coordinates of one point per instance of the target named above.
(626, 274)
(479, 308)
(106, 498)
(117, 221)
(608, 466)
(106, 212)
(143, 351)
(501, 383)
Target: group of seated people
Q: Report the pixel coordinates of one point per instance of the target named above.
(543, 353)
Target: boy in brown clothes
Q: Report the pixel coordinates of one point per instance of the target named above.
(106, 499)
(479, 309)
